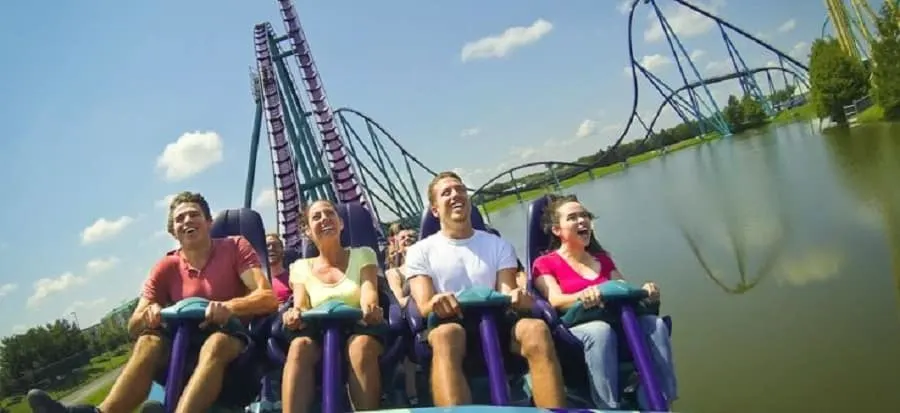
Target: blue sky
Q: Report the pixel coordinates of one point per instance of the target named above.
(110, 106)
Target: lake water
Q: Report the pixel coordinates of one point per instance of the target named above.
(800, 231)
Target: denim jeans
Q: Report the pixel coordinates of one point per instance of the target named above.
(602, 358)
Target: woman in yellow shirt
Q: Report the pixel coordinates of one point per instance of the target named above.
(348, 275)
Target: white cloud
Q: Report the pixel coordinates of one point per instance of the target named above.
(165, 201)
(265, 199)
(49, 286)
(587, 128)
(697, 53)
(84, 305)
(7, 288)
(100, 265)
(684, 21)
(624, 6)
(498, 46)
(800, 50)
(469, 132)
(191, 154)
(19, 329)
(719, 67)
(787, 26)
(651, 62)
(103, 229)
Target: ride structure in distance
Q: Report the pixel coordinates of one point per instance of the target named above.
(854, 31)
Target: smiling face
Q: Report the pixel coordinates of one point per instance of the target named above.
(323, 222)
(573, 224)
(405, 238)
(449, 200)
(275, 249)
(190, 225)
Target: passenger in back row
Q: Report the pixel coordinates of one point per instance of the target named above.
(280, 277)
(459, 257)
(349, 275)
(226, 271)
(567, 273)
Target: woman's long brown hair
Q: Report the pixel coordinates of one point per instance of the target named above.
(550, 217)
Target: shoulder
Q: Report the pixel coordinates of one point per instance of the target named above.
(546, 262)
(169, 263)
(487, 240)
(366, 252)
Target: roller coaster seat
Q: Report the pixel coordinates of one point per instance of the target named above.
(495, 356)
(244, 374)
(359, 230)
(575, 373)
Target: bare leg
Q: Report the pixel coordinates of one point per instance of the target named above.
(132, 387)
(448, 347)
(298, 379)
(531, 339)
(364, 380)
(205, 384)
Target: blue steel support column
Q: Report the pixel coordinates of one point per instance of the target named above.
(716, 117)
(749, 81)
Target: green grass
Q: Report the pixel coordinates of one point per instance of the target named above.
(874, 113)
(506, 201)
(95, 398)
(97, 367)
(797, 114)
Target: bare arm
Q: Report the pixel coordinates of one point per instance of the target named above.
(507, 280)
(549, 288)
(396, 283)
(301, 298)
(421, 289)
(261, 299)
(136, 322)
(368, 289)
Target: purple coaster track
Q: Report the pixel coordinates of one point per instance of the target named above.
(343, 176)
(288, 192)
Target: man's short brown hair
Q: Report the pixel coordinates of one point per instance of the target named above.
(187, 197)
(434, 181)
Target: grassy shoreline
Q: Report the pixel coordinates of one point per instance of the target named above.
(798, 114)
(97, 367)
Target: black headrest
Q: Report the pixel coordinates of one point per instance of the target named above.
(359, 230)
(247, 223)
(536, 240)
(430, 224)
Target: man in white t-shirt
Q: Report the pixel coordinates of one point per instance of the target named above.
(456, 258)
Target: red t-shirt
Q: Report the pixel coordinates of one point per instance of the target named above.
(173, 279)
(570, 282)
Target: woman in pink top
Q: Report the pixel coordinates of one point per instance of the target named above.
(573, 264)
(280, 284)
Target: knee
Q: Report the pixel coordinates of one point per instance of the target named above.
(600, 331)
(654, 325)
(149, 347)
(448, 340)
(363, 350)
(303, 350)
(220, 348)
(535, 338)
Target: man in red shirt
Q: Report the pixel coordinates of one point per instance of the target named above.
(225, 271)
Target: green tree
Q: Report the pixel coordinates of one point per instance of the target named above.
(836, 79)
(752, 111)
(733, 113)
(886, 56)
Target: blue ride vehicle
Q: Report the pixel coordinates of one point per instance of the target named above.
(505, 376)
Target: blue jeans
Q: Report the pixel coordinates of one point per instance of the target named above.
(602, 358)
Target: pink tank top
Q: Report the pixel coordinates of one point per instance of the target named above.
(571, 282)
(281, 286)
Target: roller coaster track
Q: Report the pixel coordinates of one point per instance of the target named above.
(287, 184)
(636, 68)
(342, 171)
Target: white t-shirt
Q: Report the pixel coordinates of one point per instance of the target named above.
(457, 264)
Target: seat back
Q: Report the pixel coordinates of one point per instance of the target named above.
(248, 224)
(536, 240)
(430, 224)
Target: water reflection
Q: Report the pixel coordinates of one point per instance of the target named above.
(743, 219)
(868, 161)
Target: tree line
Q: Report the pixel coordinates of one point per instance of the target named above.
(838, 80)
(54, 354)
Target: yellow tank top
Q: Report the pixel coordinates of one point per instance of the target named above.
(345, 290)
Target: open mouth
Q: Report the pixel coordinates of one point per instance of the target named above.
(457, 206)
(583, 232)
(189, 231)
(326, 229)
